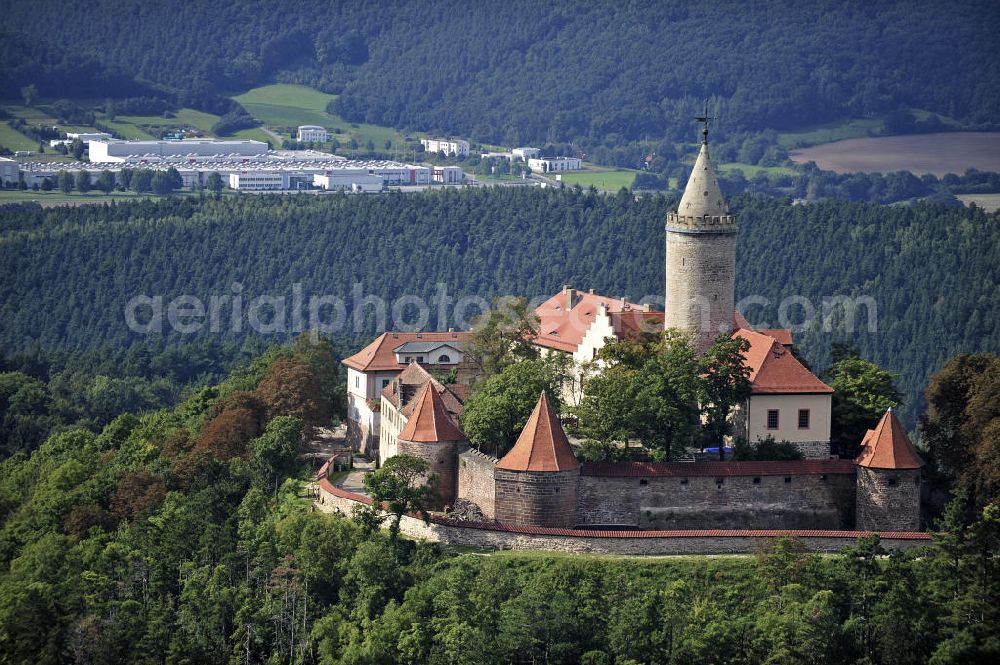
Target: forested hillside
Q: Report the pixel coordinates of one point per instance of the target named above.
(186, 536)
(595, 73)
(67, 274)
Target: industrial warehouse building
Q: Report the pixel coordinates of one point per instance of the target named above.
(116, 151)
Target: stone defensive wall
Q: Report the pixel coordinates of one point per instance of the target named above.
(504, 537)
(794, 494)
(477, 481)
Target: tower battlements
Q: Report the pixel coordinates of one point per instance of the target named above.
(678, 223)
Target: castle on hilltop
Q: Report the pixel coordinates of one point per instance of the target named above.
(396, 406)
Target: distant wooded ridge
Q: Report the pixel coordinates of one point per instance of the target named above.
(596, 74)
(66, 274)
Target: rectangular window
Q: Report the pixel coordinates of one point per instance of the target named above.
(385, 382)
(803, 418)
(772, 419)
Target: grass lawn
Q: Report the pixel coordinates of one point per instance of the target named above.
(606, 180)
(128, 130)
(828, 133)
(12, 139)
(38, 115)
(750, 170)
(287, 106)
(55, 198)
(156, 124)
(988, 202)
(282, 107)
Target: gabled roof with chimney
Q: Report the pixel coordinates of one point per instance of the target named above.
(565, 318)
(888, 447)
(773, 368)
(542, 445)
(429, 421)
(402, 391)
(380, 356)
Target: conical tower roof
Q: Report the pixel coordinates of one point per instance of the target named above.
(888, 447)
(429, 421)
(702, 196)
(543, 445)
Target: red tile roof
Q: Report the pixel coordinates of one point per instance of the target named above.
(888, 447)
(401, 391)
(543, 445)
(562, 328)
(379, 356)
(773, 368)
(806, 467)
(430, 421)
(783, 336)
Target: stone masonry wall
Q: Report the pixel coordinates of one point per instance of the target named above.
(701, 281)
(546, 499)
(442, 457)
(888, 500)
(476, 482)
(740, 502)
(674, 543)
(813, 449)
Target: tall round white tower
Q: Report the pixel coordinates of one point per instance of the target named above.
(701, 257)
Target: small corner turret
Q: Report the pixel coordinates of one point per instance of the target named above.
(537, 481)
(888, 479)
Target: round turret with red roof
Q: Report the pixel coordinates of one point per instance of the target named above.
(433, 436)
(888, 479)
(536, 482)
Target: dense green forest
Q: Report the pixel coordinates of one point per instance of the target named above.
(43, 392)
(598, 73)
(186, 536)
(67, 274)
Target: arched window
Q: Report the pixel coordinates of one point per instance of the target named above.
(444, 358)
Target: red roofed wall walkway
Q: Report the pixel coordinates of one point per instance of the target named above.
(504, 537)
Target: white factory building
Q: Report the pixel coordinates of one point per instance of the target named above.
(253, 181)
(525, 153)
(350, 180)
(273, 171)
(552, 164)
(9, 169)
(455, 147)
(448, 175)
(83, 137)
(313, 133)
(116, 151)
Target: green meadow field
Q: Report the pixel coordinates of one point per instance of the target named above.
(282, 107)
(57, 198)
(608, 180)
(750, 170)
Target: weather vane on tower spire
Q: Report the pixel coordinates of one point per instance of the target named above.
(704, 119)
